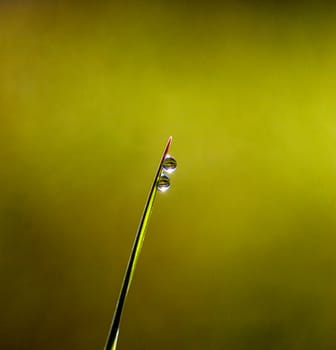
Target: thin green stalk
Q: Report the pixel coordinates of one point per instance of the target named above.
(112, 338)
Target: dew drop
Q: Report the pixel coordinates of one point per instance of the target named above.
(163, 183)
(169, 164)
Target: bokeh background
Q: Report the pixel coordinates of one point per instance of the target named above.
(240, 253)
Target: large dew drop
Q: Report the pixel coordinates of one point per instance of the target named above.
(169, 164)
(163, 183)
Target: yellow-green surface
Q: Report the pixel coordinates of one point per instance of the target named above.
(240, 253)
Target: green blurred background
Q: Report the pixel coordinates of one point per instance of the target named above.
(240, 253)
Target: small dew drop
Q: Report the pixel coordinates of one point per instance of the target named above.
(169, 164)
(163, 183)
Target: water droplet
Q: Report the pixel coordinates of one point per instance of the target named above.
(169, 164)
(163, 183)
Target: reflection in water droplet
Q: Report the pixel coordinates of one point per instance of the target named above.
(169, 164)
(163, 183)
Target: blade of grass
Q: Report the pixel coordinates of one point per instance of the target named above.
(112, 338)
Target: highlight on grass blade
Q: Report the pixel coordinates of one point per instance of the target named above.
(161, 183)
